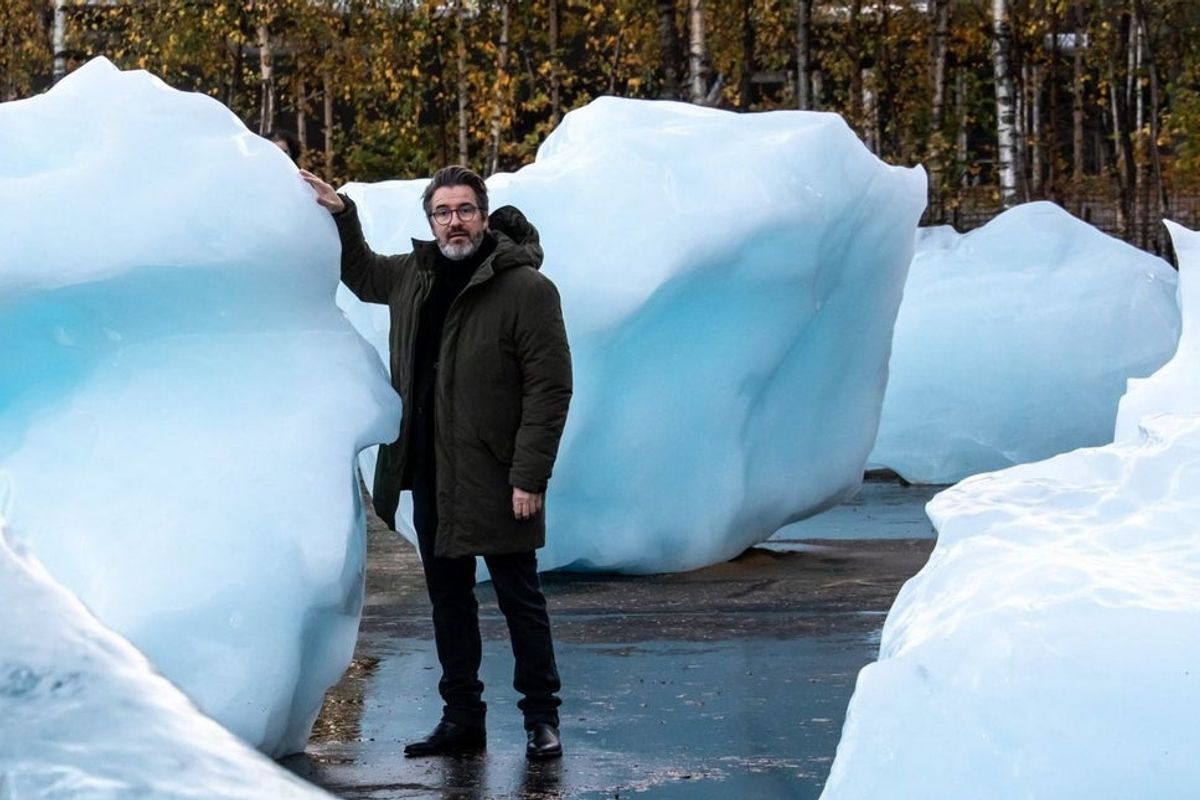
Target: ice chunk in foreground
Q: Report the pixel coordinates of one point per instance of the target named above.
(1014, 343)
(1051, 646)
(83, 714)
(181, 402)
(729, 283)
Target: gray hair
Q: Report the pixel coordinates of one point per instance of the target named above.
(456, 175)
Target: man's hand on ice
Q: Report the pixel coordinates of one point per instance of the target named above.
(326, 196)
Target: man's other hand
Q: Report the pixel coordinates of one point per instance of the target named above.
(526, 504)
(326, 196)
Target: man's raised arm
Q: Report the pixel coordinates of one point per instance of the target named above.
(366, 273)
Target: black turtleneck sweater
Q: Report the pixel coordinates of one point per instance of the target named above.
(449, 279)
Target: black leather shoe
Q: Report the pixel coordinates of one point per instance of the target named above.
(449, 739)
(544, 742)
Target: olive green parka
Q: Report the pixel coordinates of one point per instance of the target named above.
(503, 381)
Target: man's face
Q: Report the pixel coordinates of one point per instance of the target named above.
(457, 238)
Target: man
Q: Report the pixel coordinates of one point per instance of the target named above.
(479, 355)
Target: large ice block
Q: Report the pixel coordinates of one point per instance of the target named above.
(181, 402)
(1014, 343)
(1051, 646)
(83, 714)
(729, 283)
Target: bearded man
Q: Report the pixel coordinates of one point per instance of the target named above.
(479, 356)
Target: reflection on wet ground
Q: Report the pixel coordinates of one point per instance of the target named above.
(880, 510)
(730, 682)
(745, 718)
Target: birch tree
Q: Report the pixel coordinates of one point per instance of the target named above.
(266, 64)
(1006, 110)
(460, 61)
(59, 43)
(697, 68)
(939, 10)
(500, 90)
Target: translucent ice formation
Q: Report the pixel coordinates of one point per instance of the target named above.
(83, 714)
(180, 400)
(1175, 387)
(729, 283)
(1014, 343)
(1051, 646)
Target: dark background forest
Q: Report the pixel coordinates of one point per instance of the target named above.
(1090, 103)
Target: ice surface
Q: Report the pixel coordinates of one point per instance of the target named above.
(83, 714)
(1051, 646)
(1014, 343)
(729, 283)
(181, 402)
(1175, 387)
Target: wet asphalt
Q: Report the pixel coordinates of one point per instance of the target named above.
(726, 682)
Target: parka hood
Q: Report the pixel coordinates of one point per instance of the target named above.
(517, 242)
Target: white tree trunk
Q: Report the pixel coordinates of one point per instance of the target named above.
(461, 60)
(59, 42)
(940, 12)
(500, 89)
(940, 9)
(1006, 107)
(266, 64)
(870, 109)
(697, 83)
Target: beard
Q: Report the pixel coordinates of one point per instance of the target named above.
(459, 249)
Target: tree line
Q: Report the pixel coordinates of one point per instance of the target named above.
(1002, 100)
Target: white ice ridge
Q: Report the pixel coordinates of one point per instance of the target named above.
(1175, 387)
(729, 283)
(181, 402)
(1051, 646)
(83, 714)
(1014, 343)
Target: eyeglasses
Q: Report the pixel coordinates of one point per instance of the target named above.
(466, 212)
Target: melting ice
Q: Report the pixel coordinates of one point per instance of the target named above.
(1014, 342)
(83, 714)
(1051, 646)
(181, 403)
(729, 283)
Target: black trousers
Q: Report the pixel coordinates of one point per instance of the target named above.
(451, 584)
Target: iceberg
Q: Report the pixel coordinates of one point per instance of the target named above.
(84, 714)
(1176, 387)
(1050, 646)
(181, 401)
(729, 283)
(1014, 343)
